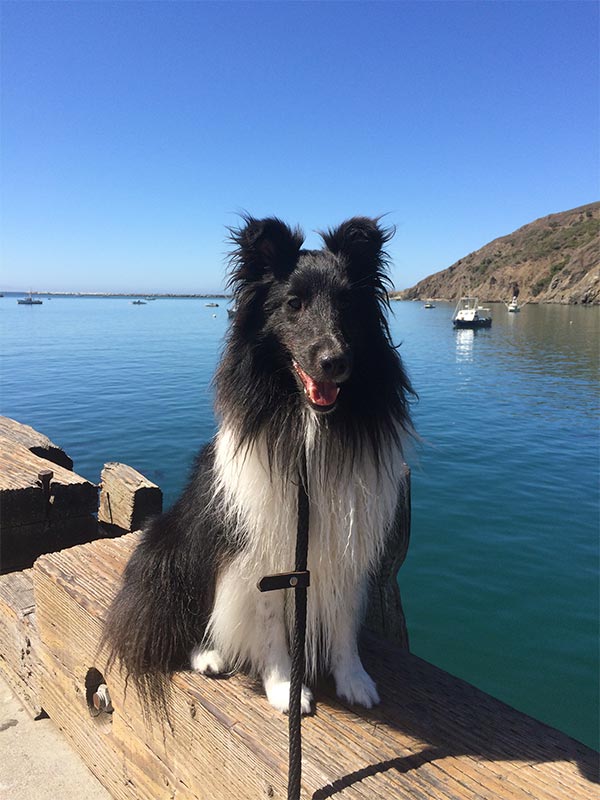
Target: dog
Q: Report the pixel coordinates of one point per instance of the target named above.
(309, 375)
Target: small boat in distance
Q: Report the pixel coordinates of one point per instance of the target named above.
(466, 314)
(514, 306)
(429, 304)
(29, 301)
(138, 303)
(211, 305)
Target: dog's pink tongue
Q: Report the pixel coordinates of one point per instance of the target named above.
(321, 393)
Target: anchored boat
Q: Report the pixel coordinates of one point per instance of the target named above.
(29, 301)
(514, 306)
(467, 314)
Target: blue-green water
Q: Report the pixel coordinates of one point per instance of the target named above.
(500, 585)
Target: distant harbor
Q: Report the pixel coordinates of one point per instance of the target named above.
(127, 295)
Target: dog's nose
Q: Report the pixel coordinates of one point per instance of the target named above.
(335, 366)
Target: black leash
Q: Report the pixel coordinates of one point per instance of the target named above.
(299, 581)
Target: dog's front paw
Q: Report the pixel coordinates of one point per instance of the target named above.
(356, 686)
(278, 694)
(208, 662)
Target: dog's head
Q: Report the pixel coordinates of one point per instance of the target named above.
(320, 308)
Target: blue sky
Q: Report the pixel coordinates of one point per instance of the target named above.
(132, 133)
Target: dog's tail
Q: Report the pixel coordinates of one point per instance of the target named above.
(167, 592)
(157, 614)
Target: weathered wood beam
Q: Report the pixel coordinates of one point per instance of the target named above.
(33, 440)
(433, 736)
(24, 498)
(40, 508)
(127, 498)
(22, 544)
(19, 639)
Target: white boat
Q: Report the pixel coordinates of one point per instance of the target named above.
(429, 304)
(467, 314)
(514, 306)
(29, 301)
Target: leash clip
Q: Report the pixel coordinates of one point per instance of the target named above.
(284, 580)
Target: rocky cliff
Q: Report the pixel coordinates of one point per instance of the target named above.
(555, 259)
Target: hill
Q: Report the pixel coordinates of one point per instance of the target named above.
(555, 259)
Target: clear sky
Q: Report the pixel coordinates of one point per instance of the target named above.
(134, 132)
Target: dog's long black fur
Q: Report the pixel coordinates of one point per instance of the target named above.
(323, 309)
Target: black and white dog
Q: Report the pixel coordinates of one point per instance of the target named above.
(308, 370)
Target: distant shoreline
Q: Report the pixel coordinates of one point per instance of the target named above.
(172, 295)
(401, 297)
(393, 296)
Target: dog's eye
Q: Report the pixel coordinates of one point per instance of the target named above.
(295, 303)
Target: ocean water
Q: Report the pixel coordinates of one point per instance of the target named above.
(500, 586)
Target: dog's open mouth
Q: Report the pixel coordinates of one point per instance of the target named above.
(322, 395)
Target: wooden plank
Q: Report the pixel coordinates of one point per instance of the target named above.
(19, 639)
(36, 442)
(69, 616)
(127, 498)
(43, 506)
(432, 737)
(21, 545)
(22, 499)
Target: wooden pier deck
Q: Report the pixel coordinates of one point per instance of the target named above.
(433, 736)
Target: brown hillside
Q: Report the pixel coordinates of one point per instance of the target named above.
(555, 259)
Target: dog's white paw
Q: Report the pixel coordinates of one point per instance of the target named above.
(356, 687)
(278, 694)
(208, 662)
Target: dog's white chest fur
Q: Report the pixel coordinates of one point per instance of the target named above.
(351, 509)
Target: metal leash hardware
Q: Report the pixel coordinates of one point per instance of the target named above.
(299, 580)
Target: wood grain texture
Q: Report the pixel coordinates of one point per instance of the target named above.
(127, 498)
(36, 442)
(22, 544)
(33, 521)
(19, 639)
(36, 516)
(432, 737)
(21, 497)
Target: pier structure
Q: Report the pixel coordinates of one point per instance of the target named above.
(434, 736)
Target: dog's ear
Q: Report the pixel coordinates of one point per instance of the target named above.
(264, 246)
(360, 241)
